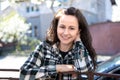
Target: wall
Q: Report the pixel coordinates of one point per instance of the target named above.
(88, 8)
(45, 20)
(106, 38)
(104, 9)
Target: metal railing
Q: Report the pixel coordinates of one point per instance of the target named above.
(90, 75)
(9, 77)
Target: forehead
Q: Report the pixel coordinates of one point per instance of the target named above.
(68, 19)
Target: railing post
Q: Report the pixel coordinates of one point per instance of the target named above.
(90, 75)
(60, 76)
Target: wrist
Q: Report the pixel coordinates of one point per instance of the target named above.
(58, 68)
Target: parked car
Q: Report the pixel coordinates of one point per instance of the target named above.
(111, 66)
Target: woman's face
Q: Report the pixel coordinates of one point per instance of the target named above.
(67, 29)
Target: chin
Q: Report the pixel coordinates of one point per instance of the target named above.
(66, 42)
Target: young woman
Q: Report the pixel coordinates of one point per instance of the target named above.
(67, 47)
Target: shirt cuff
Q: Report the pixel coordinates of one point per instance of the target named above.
(51, 69)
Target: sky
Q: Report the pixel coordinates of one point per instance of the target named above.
(116, 11)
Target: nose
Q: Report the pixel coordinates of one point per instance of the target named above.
(66, 31)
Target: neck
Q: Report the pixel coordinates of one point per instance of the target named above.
(65, 48)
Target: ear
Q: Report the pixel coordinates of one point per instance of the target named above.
(77, 37)
(79, 31)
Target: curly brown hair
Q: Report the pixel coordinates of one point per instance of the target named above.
(83, 26)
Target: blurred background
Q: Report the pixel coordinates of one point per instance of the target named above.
(23, 24)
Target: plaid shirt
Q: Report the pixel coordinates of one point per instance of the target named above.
(42, 62)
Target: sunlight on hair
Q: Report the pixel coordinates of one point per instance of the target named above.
(59, 13)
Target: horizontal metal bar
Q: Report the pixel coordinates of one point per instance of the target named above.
(107, 74)
(17, 70)
(90, 74)
(5, 78)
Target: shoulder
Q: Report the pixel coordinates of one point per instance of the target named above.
(41, 48)
(43, 45)
(79, 44)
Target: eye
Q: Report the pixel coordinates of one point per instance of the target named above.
(61, 26)
(72, 28)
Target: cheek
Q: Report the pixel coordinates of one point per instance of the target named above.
(58, 32)
(75, 35)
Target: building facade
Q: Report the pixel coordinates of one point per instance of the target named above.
(95, 11)
(40, 16)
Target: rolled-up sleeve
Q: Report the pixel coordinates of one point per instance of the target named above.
(82, 57)
(33, 67)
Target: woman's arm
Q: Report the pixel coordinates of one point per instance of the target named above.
(33, 68)
(83, 60)
(65, 68)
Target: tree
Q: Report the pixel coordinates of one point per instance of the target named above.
(13, 28)
(61, 2)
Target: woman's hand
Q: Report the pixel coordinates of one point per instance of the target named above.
(64, 68)
(77, 38)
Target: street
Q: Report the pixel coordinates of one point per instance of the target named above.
(15, 62)
(11, 62)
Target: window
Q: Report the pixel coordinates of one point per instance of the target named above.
(35, 31)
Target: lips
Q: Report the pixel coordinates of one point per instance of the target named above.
(65, 38)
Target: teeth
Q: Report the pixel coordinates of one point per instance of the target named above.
(65, 38)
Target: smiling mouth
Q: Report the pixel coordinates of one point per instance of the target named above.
(65, 38)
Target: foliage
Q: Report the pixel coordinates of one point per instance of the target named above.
(13, 28)
(33, 42)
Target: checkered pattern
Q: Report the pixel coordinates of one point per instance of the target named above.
(42, 62)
